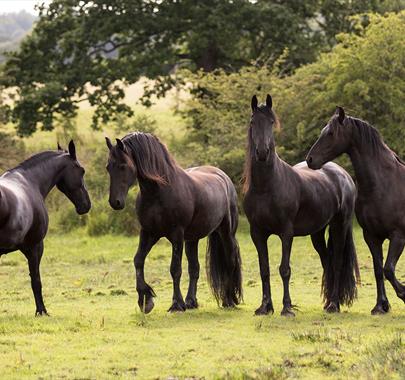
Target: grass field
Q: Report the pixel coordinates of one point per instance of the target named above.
(96, 330)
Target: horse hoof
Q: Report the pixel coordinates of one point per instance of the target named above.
(41, 313)
(332, 308)
(191, 303)
(264, 309)
(287, 312)
(148, 306)
(380, 309)
(177, 307)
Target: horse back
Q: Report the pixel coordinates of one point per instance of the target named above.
(197, 200)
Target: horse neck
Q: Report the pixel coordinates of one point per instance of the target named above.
(44, 176)
(267, 175)
(370, 167)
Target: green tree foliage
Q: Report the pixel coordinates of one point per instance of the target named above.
(365, 73)
(89, 49)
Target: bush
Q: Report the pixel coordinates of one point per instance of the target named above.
(66, 219)
(104, 220)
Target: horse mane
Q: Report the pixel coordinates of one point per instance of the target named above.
(247, 170)
(369, 136)
(38, 159)
(151, 157)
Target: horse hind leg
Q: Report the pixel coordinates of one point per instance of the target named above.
(319, 244)
(194, 273)
(394, 253)
(177, 241)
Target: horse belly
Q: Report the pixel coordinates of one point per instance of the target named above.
(374, 218)
(311, 224)
(204, 221)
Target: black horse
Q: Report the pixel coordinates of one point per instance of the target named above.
(23, 215)
(380, 205)
(181, 205)
(297, 201)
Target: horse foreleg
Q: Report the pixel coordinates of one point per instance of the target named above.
(145, 292)
(394, 253)
(193, 272)
(175, 271)
(375, 245)
(259, 239)
(34, 255)
(285, 273)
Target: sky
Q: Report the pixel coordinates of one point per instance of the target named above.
(8, 6)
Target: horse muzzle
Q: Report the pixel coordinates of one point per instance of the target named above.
(262, 155)
(313, 163)
(83, 209)
(117, 204)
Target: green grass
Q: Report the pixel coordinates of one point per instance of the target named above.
(96, 330)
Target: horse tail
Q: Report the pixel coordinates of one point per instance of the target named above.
(349, 274)
(223, 263)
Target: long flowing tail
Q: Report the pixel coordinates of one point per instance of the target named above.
(349, 275)
(223, 267)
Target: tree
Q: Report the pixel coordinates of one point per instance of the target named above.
(90, 49)
(365, 73)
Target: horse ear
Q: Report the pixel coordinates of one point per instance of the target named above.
(269, 102)
(108, 142)
(341, 114)
(59, 147)
(72, 149)
(120, 145)
(254, 103)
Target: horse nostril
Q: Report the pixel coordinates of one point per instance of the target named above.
(310, 159)
(118, 203)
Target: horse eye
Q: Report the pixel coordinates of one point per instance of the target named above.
(330, 133)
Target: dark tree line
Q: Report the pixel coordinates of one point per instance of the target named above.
(81, 49)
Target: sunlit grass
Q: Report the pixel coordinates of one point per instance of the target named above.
(96, 330)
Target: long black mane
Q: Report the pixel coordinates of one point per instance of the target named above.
(152, 159)
(369, 137)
